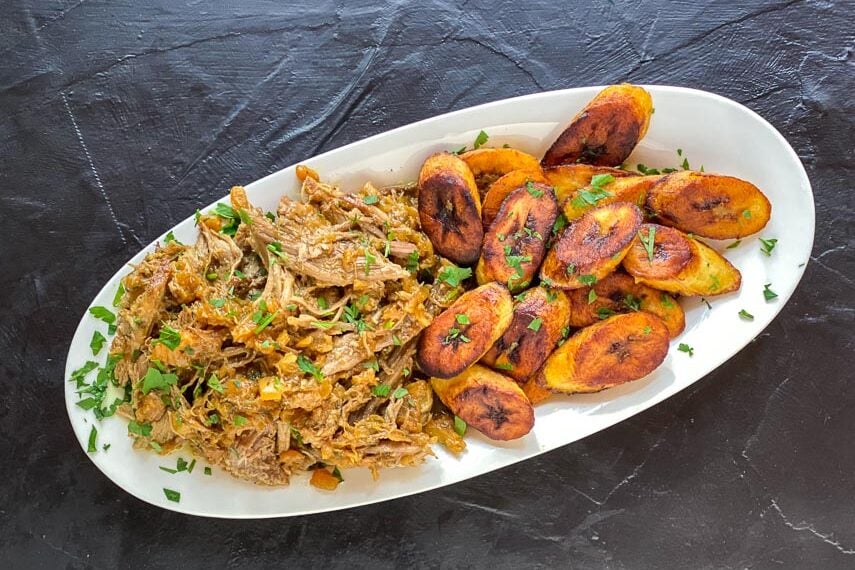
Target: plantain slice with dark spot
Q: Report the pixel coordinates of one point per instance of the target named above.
(592, 246)
(619, 293)
(501, 188)
(450, 208)
(515, 244)
(625, 189)
(667, 259)
(709, 205)
(567, 178)
(540, 319)
(606, 130)
(489, 164)
(609, 353)
(488, 401)
(465, 331)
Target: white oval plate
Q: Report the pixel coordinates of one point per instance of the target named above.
(712, 131)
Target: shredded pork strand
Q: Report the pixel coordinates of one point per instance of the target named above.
(276, 343)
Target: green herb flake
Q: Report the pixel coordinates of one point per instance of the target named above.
(592, 296)
(453, 275)
(459, 426)
(604, 313)
(396, 341)
(370, 199)
(381, 390)
(560, 224)
(686, 348)
(265, 322)
(97, 342)
(588, 280)
(746, 214)
(309, 367)
(191, 466)
(170, 237)
(171, 495)
(600, 180)
(505, 366)
(480, 140)
(323, 304)
(734, 245)
(632, 302)
(648, 241)
(399, 393)
(746, 315)
(169, 470)
(103, 314)
(218, 303)
(768, 294)
(155, 446)
(208, 471)
(647, 330)
(140, 429)
(120, 292)
(667, 302)
(462, 319)
(533, 190)
(372, 364)
(169, 337)
(92, 446)
(767, 245)
(276, 249)
(535, 324)
(645, 170)
(215, 384)
(154, 379)
(239, 421)
(336, 472)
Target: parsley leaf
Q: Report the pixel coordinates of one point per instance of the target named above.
(746, 315)
(533, 190)
(140, 429)
(463, 319)
(686, 348)
(215, 384)
(454, 275)
(480, 140)
(586, 279)
(120, 292)
(648, 241)
(768, 294)
(92, 444)
(413, 262)
(381, 390)
(239, 421)
(767, 245)
(103, 314)
(459, 426)
(592, 296)
(154, 379)
(370, 199)
(171, 495)
(97, 343)
(734, 245)
(309, 367)
(535, 324)
(400, 393)
(169, 337)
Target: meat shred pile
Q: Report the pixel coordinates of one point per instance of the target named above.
(281, 343)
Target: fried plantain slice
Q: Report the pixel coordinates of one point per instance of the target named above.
(499, 190)
(592, 246)
(534, 391)
(612, 352)
(450, 208)
(515, 244)
(709, 205)
(540, 318)
(606, 130)
(489, 164)
(625, 189)
(619, 293)
(667, 259)
(488, 401)
(465, 331)
(567, 178)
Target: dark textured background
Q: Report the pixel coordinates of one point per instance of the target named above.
(117, 120)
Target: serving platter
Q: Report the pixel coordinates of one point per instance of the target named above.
(710, 130)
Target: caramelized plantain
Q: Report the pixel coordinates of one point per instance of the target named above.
(450, 208)
(625, 189)
(592, 246)
(489, 164)
(465, 331)
(619, 293)
(488, 401)
(534, 391)
(567, 178)
(499, 190)
(540, 316)
(612, 352)
(709, 205)
(515, 245)
(606, 130)
(669, 260)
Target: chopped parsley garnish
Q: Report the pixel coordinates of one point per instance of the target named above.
(535, 324)
(505, 366)
(533, 190)
(746, 214)
(560, 224)
(370, 259)
(140, 429)
(276, 249)
(212, 276)
(244, 217)
(239, 274)
(170, 237)
(648, 241)
(215, 384)
(592, 296)
(169, 337)
(605, 312)
(400, 393)
(646, 171)
(632, 302)
(571, 268)
(322, 303)
(459, 426)
(171, 495)
(262, 318)
(103, 314)
(515, 262)
(647, 330)
(600, 180)
(120, 292)
(746, 315)
(296, 436)
(520, 297)
(734, 245)
(370, 199)
(551, 296)
(768, 294)
(308, 366)
(413, 262)
(270, 216)
(154, 379)
(213, 419)
(336, 472)
(667, 302)
(97, 342)
(453, 275)
(372, 364)
(462, 319)
(686, 348)
(353, 316)
(480, 140)
(455, 335)
(208, 471)
(227, 213)
(239, 421)
(381, 390)
(217, 302)
(396, 341)
(92, 446)
(587, 279)
(767, 245)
